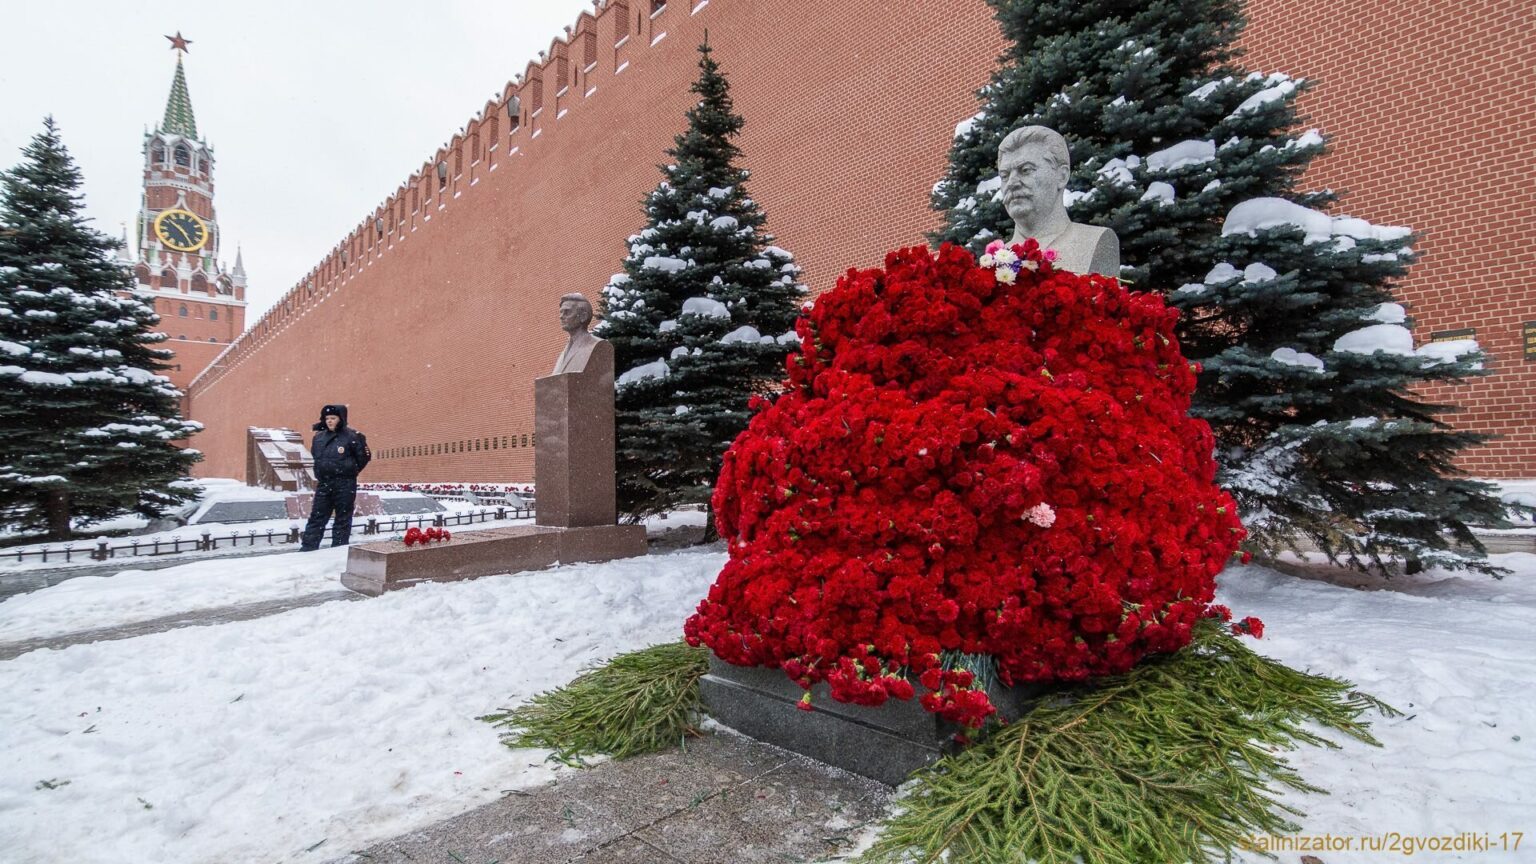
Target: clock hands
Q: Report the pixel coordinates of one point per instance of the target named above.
(191, 235)
(180, 231)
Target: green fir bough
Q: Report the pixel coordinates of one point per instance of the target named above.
(639, 702)
(1179, 760)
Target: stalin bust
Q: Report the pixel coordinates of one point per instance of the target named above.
(1033, 163)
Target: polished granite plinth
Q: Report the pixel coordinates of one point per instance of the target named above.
(373, 568)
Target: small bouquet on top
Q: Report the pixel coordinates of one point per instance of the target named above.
(1007, 261)
(418, 537)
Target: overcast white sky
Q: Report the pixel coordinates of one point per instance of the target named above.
(316, 110)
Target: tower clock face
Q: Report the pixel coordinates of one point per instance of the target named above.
(181, 230)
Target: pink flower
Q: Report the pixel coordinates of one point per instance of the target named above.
(994, 246)
(1041, 514)
(1050, 255)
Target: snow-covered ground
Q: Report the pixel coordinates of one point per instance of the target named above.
(91, 602)
(1455, 654)
(303, 735)
(345, 723)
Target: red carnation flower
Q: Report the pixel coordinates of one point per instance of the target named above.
(1250, 626)
(872, 511)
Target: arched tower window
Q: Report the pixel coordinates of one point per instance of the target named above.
(157, 153)
(182, 313)
(183, 156)
(213, 314)
(141, 273)
(200, 283)
(167, 278)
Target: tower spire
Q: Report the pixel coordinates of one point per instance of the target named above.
(179, 119)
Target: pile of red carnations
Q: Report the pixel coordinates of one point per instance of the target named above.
(966, 461)
(448, 488)
(418, 537)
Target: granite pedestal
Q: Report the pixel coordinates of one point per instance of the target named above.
(886, 743)
(373, 568)
(573, 455)
(573, 469)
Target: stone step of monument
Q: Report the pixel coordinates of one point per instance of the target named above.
(885, 743)
(373, 568)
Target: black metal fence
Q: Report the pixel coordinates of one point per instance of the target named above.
(103, 550)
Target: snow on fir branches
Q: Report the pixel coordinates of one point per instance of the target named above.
(964, 462)
(702, 316)
(86, 423)
(1310, 376)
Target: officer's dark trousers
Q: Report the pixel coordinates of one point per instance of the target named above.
(331, 496)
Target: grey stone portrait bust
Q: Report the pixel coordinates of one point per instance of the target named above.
(1034, 163)
(575, 318)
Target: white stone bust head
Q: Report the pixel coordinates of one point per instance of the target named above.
(1033, 162)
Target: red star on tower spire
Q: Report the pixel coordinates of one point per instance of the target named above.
(178, 43)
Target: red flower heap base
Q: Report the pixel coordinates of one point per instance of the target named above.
(992, 459)
(885, 743)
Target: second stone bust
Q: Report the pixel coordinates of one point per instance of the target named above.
(575, 318)
(1033, 162)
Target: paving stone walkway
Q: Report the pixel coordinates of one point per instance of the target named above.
(725, 798)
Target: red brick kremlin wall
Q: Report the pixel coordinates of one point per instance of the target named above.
(1430, 108)
(433, 328)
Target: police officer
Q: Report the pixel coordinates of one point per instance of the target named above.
(341, 453)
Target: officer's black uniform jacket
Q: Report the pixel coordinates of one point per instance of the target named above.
(342, 454)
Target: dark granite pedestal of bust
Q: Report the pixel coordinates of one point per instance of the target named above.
(886, 743)
(573, 471)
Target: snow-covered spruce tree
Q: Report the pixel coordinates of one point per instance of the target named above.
(702, 316)
(1309, 369)
(85, 423)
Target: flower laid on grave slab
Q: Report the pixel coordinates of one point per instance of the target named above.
(986, 458)
(419, 537)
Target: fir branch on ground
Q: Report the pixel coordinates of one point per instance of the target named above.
(639, 702)
(1178, 760)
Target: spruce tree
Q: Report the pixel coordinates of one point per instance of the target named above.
(1309, 369)
(702, 316)
(86, 424)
